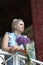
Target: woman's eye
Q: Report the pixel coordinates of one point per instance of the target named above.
(21, 24)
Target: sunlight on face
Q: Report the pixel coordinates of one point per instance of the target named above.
(20, 26)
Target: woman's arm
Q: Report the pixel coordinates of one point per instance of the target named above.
(18, 49)
(5, 43)
(13, 48)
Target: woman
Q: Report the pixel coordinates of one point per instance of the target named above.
(9, 44)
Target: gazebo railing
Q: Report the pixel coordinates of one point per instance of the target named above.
(18, 58)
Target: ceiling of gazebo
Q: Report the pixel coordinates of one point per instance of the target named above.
(10, 9)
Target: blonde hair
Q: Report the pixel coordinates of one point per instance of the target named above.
(15, 22)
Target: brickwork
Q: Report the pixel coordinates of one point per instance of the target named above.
(37, 18)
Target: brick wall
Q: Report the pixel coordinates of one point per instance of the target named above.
(37, 18)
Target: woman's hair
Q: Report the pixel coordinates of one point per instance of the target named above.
(15, 22)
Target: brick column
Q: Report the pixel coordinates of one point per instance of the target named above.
(37, 18)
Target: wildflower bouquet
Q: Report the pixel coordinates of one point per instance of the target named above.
(23, 40)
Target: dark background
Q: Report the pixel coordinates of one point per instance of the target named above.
(10, 9)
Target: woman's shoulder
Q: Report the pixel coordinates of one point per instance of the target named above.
(9, 33)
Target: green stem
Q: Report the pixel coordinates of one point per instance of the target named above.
(28, 58)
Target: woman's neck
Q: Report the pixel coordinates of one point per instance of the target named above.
(17, 32)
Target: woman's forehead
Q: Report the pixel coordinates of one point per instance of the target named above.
(21, 22)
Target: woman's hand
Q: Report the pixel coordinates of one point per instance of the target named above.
(12, 49)
(22, 51)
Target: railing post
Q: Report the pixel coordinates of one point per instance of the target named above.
(17, 60)
(14, 60)
(5, 63)
(41, 64)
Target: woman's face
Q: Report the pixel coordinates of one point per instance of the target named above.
(20, 26)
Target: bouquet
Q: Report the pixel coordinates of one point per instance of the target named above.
(23, 40)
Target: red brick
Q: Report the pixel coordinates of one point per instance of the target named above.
(37, 18)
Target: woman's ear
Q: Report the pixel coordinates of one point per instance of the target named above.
(15, 26)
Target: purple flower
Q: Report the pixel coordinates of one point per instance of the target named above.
(22, 40)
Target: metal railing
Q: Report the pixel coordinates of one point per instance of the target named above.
(18, 57)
